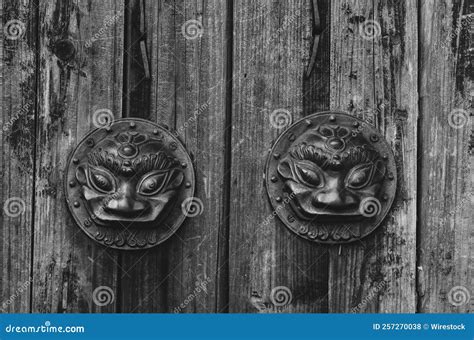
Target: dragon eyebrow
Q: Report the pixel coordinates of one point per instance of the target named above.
(140, 165)
(311, 153)
(106, 160)
(327, 160)
(156, 161)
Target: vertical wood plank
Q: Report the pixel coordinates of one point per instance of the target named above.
(374, 76)
(446, 239)
(272, 41)
(186, 57)
(18, 87)
(74, 83)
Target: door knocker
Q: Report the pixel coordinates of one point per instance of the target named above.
(331, 178)
(125, 184)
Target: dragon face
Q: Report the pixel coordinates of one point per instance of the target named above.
(129, 178)
(329, 170)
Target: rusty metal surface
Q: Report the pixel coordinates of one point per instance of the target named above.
(331, 178)
(127, 184)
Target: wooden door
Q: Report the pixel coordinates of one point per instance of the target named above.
(214, 71)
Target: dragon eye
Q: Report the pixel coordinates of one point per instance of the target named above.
(101, 180)
(309, 174)
(152, 183)
(359, 176)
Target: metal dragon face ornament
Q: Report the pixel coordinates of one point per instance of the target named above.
(125, 184)
(331, 178)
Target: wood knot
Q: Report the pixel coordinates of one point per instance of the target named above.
(64, 49)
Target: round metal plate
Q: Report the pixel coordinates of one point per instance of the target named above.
(127, 185)
(331, 178)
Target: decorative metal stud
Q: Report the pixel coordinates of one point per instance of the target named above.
(321, 182)
(125, 190)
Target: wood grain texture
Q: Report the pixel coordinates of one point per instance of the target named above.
(68, 266)
(18, 87)
(446, 239)
(186, 55)
(214, 71)
(374, 76)
(272, 42)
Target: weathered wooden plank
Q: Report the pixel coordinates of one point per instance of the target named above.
(446, 242)
(272, 41)
(374, 76)
(74, 83)
(18, 80)
(186, 56)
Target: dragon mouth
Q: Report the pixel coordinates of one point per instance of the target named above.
(324, 213)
